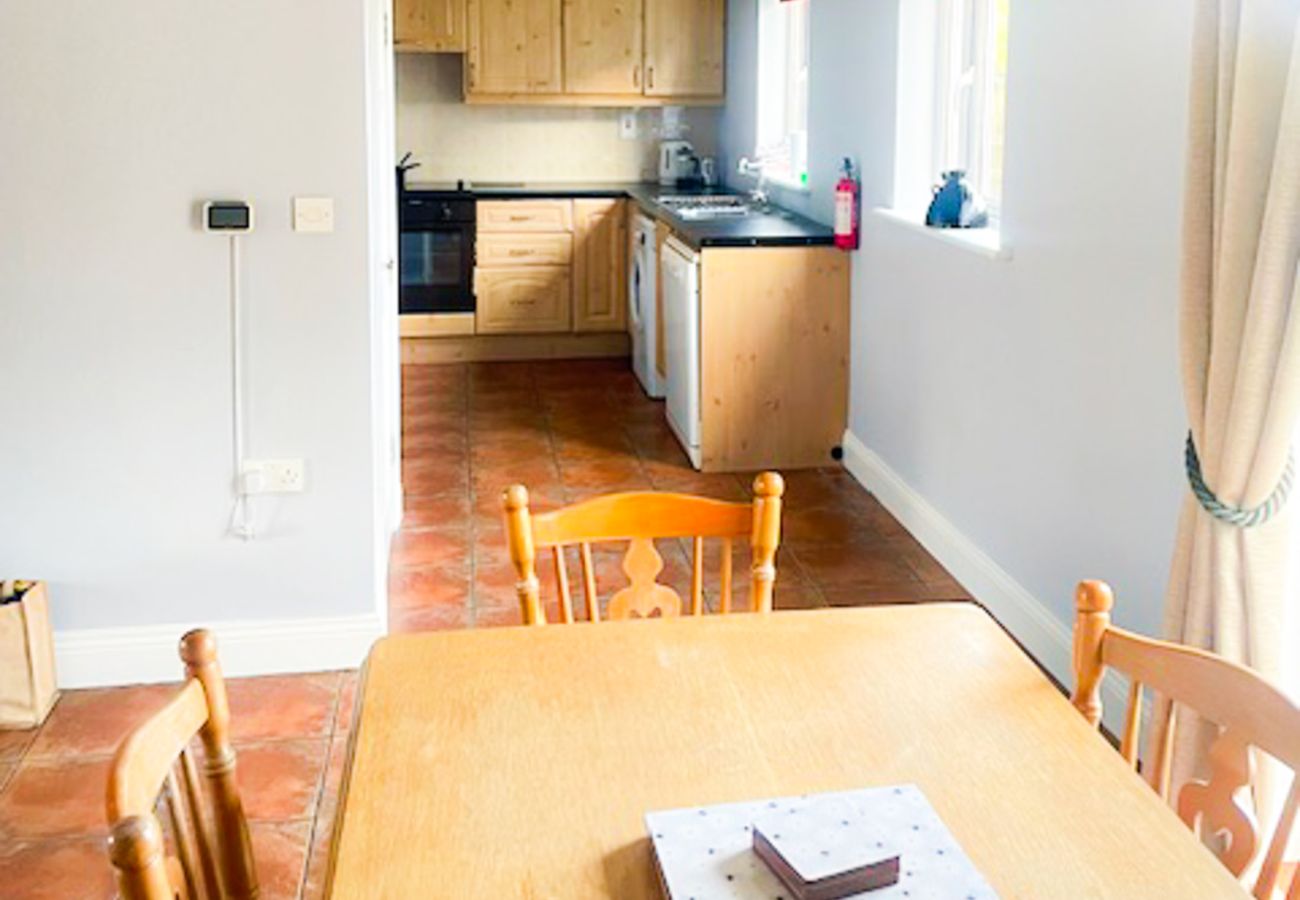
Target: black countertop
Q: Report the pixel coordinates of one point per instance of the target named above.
(773, 227)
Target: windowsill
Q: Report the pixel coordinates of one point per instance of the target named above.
(985, 242)
(790, 187)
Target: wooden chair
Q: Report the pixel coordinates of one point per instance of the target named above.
(1248, 710)
(639, 518)
(214, 859)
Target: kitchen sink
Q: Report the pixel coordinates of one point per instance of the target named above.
(706, 206)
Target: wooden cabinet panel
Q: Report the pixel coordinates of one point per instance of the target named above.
(684, 47)
(523, 300)
(500, 249)
(599, 266)
(514, 47)
(525, 215)
(602, 46)
(774, 360)
(430, 26)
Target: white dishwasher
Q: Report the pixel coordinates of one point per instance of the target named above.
(680, 269)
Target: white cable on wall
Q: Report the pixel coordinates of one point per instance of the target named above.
(241, 520)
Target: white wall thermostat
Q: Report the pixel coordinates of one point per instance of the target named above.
(229, 216)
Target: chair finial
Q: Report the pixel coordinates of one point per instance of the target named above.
(198, 648)
(515, 498)
(769, 484)
(135, 843)
(1093, 597)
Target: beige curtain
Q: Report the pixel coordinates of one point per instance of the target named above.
(1240, 332)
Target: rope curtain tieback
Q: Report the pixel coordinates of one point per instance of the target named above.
(1235, 515)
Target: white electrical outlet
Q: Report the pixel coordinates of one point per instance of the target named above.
(627, 125)
(313, 214)
(273, 476)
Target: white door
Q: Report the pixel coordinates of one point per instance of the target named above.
(641, 307)
(681, 274)
(382, 230)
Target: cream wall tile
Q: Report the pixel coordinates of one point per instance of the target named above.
(521, 143)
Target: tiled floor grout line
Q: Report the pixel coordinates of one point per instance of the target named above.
(471, 599)
(321, 782)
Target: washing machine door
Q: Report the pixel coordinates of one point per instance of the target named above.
(636, 316)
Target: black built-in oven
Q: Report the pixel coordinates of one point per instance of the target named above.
(436, 252)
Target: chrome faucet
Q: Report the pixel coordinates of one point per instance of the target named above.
(756, 169)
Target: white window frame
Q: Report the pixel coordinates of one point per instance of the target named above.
(966, 94)
(781, 127)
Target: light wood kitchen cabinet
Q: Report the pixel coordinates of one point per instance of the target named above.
(429, 26)
(595, 52)
(684, 48)
(500, 249)
(774, 356)
(599, 265)
(515, 47)
(603, 46)
(524, 300)
(514, 216)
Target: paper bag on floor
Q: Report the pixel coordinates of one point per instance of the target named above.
(26, 659)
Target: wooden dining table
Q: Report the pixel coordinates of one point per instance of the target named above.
(520, 762)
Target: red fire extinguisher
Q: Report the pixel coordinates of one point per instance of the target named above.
(847, 209)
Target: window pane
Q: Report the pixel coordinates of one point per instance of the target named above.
(970, 92)
(781, 138)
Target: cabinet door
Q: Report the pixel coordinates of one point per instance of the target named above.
(514, 47)
(523, 300)
(602, 46)
(684, 42)
(431, 26)
(599, 266)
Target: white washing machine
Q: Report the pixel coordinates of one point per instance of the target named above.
(641, 306)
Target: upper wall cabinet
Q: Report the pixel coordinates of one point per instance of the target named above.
(429, 26)
(602, 46)
(596, 52)
(514, 47)
(684, 48)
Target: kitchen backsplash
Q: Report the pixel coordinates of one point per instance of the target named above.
(521, 143)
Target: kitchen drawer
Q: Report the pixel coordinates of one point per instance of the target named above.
(523, 300)
(529, 249)
(525, 215)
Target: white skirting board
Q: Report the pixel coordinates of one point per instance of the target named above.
(1047, 638)
(108, 657)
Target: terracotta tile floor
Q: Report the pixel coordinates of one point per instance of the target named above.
(568, 430)
(572, 429)
(290, 734)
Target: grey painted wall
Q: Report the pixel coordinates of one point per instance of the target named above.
(115, 465)
(1034, 402)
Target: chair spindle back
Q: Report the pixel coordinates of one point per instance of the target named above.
(639, 518)
(155, 770)
(1248, 711)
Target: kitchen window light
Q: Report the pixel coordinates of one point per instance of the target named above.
(970, 93)
(781, 134)
(951, 114)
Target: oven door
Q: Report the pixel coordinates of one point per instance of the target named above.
(437, 267)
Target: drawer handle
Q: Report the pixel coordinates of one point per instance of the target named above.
(523, 302)
(520, 218)
(521, 253)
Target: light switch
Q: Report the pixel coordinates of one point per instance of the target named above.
(313, 214)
